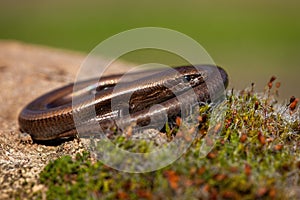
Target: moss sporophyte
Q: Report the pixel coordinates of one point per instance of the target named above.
(257, 155)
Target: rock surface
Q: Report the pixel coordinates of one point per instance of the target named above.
(26, 72)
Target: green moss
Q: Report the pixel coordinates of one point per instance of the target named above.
(256, 156)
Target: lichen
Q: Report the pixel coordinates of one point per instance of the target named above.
(256, 155)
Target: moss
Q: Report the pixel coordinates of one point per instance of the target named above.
(256, 156)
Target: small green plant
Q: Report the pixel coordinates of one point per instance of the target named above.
(256, 156)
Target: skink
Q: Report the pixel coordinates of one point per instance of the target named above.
(52, 115)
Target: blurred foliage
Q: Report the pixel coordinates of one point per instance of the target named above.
(244, 37)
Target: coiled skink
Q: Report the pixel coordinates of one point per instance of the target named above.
(51, 116)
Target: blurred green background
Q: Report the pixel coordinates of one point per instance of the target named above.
(252, 40)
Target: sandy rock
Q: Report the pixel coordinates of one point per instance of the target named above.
(27, 71)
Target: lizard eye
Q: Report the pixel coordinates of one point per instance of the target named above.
(189, 77)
